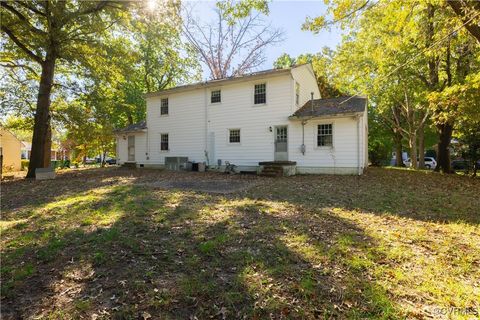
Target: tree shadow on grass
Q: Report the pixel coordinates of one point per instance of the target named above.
(422, 196)
(173, 254)
(21, 195)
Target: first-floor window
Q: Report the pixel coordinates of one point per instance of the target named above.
(325, 135)
(234, 136)
(164, 142)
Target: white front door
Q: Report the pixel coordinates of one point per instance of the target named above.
(131, 148)
(281, 143)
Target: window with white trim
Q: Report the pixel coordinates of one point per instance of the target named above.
(215, 96)
(164, 142)
(164, 107)
(297, 93)
(234, 136)
(260, 94)
(325, 135)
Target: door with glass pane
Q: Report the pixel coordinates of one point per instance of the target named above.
(131, 148)
(281, 144)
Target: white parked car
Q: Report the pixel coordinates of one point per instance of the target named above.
(430, 162)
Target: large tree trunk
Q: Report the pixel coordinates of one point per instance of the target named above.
(413, 150)
(398, 150)
(443, 163)
(104, 155)
(47, 156)
(42, 134)
(421, 147)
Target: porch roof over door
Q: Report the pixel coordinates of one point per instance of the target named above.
(324, 108)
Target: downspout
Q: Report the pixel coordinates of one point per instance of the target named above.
(302, 147)
(358, 145)
(147, 153)
(206, 127)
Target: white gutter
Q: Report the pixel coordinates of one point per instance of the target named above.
(215, 83)
(327, 116)
(358, 145)
(147, 153)
(206, 126)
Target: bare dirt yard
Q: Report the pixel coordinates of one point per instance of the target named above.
(145, 244)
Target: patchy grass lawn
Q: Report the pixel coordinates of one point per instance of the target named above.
(111, 243)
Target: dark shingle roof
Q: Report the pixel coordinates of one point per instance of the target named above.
(333, 106)
(139, 126)
(216, 82)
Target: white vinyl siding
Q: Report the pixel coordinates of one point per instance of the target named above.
(307, 84)
(342, 154)
(140, 147)
(257, 142)
(185, 125)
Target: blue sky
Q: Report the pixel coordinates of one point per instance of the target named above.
(288, 16)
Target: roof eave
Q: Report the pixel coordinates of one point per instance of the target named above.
(219, 82)
(129, 131)
(326, 116)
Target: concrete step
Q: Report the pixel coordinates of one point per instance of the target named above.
(131, 165)
(273, 168)
(272, 171)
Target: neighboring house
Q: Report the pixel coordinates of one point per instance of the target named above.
(393, 160)
(263, 116)
(26, 150)
(55, 153)
(10, 148)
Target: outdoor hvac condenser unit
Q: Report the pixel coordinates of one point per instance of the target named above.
(176, 163)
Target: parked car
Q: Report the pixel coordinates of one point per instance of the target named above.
(111, 161)
(463, 165)
(90, 160)
(430, 162)
(459, 165)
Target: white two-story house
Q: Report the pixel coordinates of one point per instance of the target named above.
(273, 115)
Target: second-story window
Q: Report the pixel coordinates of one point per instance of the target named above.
(164, 107)
(216, 96)
(260, 94)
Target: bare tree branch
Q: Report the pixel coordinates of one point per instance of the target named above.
(224, 44)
